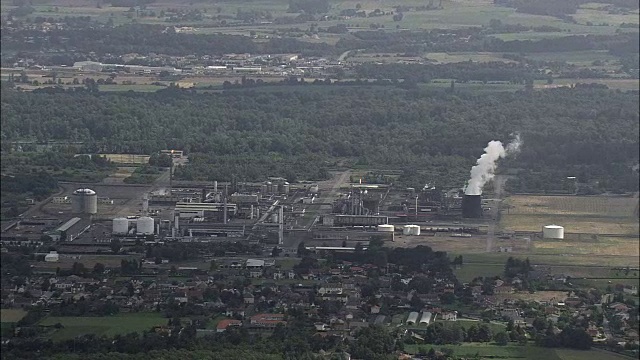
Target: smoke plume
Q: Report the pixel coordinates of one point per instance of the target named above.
(485, 167)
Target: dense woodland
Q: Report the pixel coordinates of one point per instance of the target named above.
(298, 133)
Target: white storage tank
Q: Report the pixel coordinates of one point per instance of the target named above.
(144, 225)
(386, 228)
(553, 232)
(313, 189)
(120, 226)
(406, 230)
(84, 201)
(415, 230)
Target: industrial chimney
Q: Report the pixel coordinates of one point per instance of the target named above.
(471, 206)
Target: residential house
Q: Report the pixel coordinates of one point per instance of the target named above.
(226, 323)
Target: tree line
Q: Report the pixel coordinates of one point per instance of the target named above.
(298, 133)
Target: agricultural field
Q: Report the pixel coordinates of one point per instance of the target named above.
(108, 325)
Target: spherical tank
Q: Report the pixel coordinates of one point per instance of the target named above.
(386, 228)
(85, 201)
(145, 225)
(553, 232)
(120, 226)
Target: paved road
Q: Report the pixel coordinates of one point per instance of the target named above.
(499, 182)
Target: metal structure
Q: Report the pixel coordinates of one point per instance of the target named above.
(553, 232)
(411, 230)
(386, 228)
(84, 201)
(120, 226)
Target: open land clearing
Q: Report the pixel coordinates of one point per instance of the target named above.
(107, 325)
(11, 315)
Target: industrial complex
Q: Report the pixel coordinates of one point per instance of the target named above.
(272, 213)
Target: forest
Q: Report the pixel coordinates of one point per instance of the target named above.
(436, 135)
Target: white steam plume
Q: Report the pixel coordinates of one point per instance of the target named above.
(485, 167)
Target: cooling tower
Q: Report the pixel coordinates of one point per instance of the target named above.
(472, 206)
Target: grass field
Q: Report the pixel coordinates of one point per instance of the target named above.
(109, 326)
(512, 352)
(578, 214)
(11, 315)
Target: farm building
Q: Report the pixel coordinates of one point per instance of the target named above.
(413, 318)
(426, 318)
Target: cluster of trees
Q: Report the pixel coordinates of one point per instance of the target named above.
(463, 72)
(517, 267)
(40, 184)
(296, 134)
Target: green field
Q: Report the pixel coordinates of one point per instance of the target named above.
(513, 352)
(468, 272)
(109, 325)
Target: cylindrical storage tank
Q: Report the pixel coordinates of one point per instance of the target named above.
(406, 230)
(274, 218)
(313, 189)
(263, 188)
(269, 187)
(415, 229)
(85, 201)
(386, 228)
(144, 225)
(472, 206)
(285, 188)
(553, 232)
(120, 226)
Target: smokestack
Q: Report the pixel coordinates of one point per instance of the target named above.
(471, 206)
(486, 165)
(281, 225)
(225, 206)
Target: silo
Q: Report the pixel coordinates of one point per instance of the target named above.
(85, 201)
(553, 232)
(472, 206)
(386, 228)
(120, 226)
(144, 225)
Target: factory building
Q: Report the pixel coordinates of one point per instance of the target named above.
(354, 220)
(205, 210)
